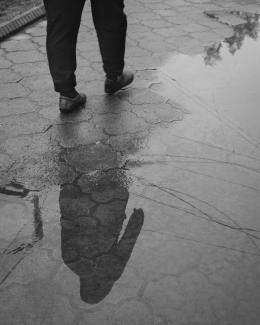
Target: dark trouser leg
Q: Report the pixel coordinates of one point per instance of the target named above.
(63, 21)
(111, 24)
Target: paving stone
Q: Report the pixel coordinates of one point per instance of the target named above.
(28, 145)
(135, 51)
(206, 37)
(22, 45)
(83, 62)
(166, 13)
(146, 74)
(178, 19)
(161, 46)
(224, 32)
(14, 214)
(7, 75)
(5, 164)
(95, 87)
(88, 74)
(136, 37)
(111, 215)
(87, 47)
(52, 112)
(155, 6)
(70, 135)
(38, 302)
(107, 104)
(146, 16)
(12, 90)
(46, 98)
(140, 97)
(24, 124)
(158, 113)
(133, 312)
(67, 281)
(229, 19)
(20, 37)
(38, 82)
(115, 124)
(16, 106)
(30, 69)
(156, 23)
(25, 56)
(37, 31)
(40, 40)
(74, 206)
(43, 50)
(135, 28)
(129, 143)
(171, 32)
(30, 269)
(138, 63)
(104, 315)
(4, 63)
(106, 189)
(192, 47)
(92, 157)
(39, 172)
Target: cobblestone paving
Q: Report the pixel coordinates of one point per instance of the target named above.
(132, 210)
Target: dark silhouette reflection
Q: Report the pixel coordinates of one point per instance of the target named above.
(92, 216)
(234, 43)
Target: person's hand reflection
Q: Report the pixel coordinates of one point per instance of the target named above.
(92, 216)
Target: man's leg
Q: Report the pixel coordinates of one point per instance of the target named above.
(63, 21)
(111, 23)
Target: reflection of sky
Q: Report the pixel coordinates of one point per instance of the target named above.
(231, 85)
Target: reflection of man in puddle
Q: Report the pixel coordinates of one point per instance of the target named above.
(92, 216)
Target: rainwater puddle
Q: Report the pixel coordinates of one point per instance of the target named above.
(226, 76)
(21, 225)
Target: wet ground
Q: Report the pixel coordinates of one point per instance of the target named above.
(142, 208)
(9, 9)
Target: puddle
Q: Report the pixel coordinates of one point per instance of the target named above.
(95, 233)
(94, 221)
(97, 239)
(226, 76)
(21, 225)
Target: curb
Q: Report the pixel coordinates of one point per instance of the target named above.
(21, 21)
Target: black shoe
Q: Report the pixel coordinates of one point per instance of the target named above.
(67, 104)
(123, 80)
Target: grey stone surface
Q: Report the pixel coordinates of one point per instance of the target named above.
(143, 207)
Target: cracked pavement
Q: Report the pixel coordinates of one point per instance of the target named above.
(142, 208)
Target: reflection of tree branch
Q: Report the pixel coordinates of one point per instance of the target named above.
(235, 42)
(213, 54)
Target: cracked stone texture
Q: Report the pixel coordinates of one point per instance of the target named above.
(142, 208)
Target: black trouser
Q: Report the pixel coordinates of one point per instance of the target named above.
(63, 21)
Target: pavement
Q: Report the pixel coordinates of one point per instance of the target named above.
(143, 207)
